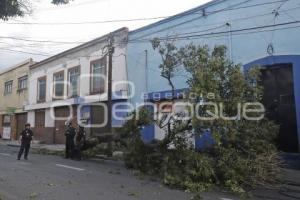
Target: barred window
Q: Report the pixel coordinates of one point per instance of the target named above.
(40, 118)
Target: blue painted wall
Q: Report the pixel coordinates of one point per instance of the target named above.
(220, 16)
(148, 133)
(244, 47)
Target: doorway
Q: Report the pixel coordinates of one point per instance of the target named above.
(98, 118)
(60, 125)
(279, 101)
(21, 121)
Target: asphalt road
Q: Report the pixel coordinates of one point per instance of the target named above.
(54, 178)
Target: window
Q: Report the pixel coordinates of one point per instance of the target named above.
(41, 96)
(6, 120)
(98, 78)
(39, 119)
(58, 83)
(73, 75)
(8, 87)
(22, 83)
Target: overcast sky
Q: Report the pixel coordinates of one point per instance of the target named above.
(77, 11)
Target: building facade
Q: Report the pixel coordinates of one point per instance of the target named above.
(256, 32)
(14, 96)
(73, 85)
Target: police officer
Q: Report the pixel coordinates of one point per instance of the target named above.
(80, 142)
(26, 138)
(70, 135)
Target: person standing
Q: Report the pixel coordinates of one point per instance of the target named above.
(80, 142)
(25, 138)
(70, 135)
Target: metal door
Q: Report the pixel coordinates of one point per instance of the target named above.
(98, 118)
(279, 101)
(60, 123)
(21, 121)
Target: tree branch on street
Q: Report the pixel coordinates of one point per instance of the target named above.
(243, 154)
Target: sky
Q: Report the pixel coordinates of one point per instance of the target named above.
(47, 19)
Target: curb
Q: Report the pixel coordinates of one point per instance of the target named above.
(13, 145)
(41, 150)
(37, 148)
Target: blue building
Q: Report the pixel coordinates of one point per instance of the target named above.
(264, 32)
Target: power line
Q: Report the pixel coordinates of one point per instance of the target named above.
(25, 52)
(201, 31)
(234, 20)
(85, 23)
(19, 45)
(41, 41)
(181, 36)
(175, 37)
(232, 7)
(35, 44)
(188, 37)
(208, 35)
(254, 5)
(141, 19)
(222, 23)
(50, 42)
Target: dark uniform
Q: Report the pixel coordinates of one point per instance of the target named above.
(70, 135)
(80, 142)
(27, 135)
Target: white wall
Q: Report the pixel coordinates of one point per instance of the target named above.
(49, 120)
(30, 118)
(80, 58)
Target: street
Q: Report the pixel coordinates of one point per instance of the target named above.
(192, 96)
(54, 178)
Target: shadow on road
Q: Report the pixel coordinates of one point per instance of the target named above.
(289, 183)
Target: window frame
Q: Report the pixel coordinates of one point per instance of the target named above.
(22, 78)
(5, 87)
(62, 72)
(38, 119)
(38, 92)
(69, 81)
(4, 123)
(92, 90)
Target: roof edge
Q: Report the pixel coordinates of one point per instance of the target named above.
(27, 61)
(76, 48)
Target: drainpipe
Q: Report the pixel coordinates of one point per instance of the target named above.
(129, 92)
(230, 40)
(146, 72)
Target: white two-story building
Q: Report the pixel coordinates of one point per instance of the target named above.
(72, 85)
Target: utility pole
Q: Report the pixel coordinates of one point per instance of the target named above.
(146, 72)
(109, 79)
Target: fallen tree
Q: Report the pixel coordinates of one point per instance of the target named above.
(243, 155)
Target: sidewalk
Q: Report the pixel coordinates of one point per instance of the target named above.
(58, 149)
(35, 145)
